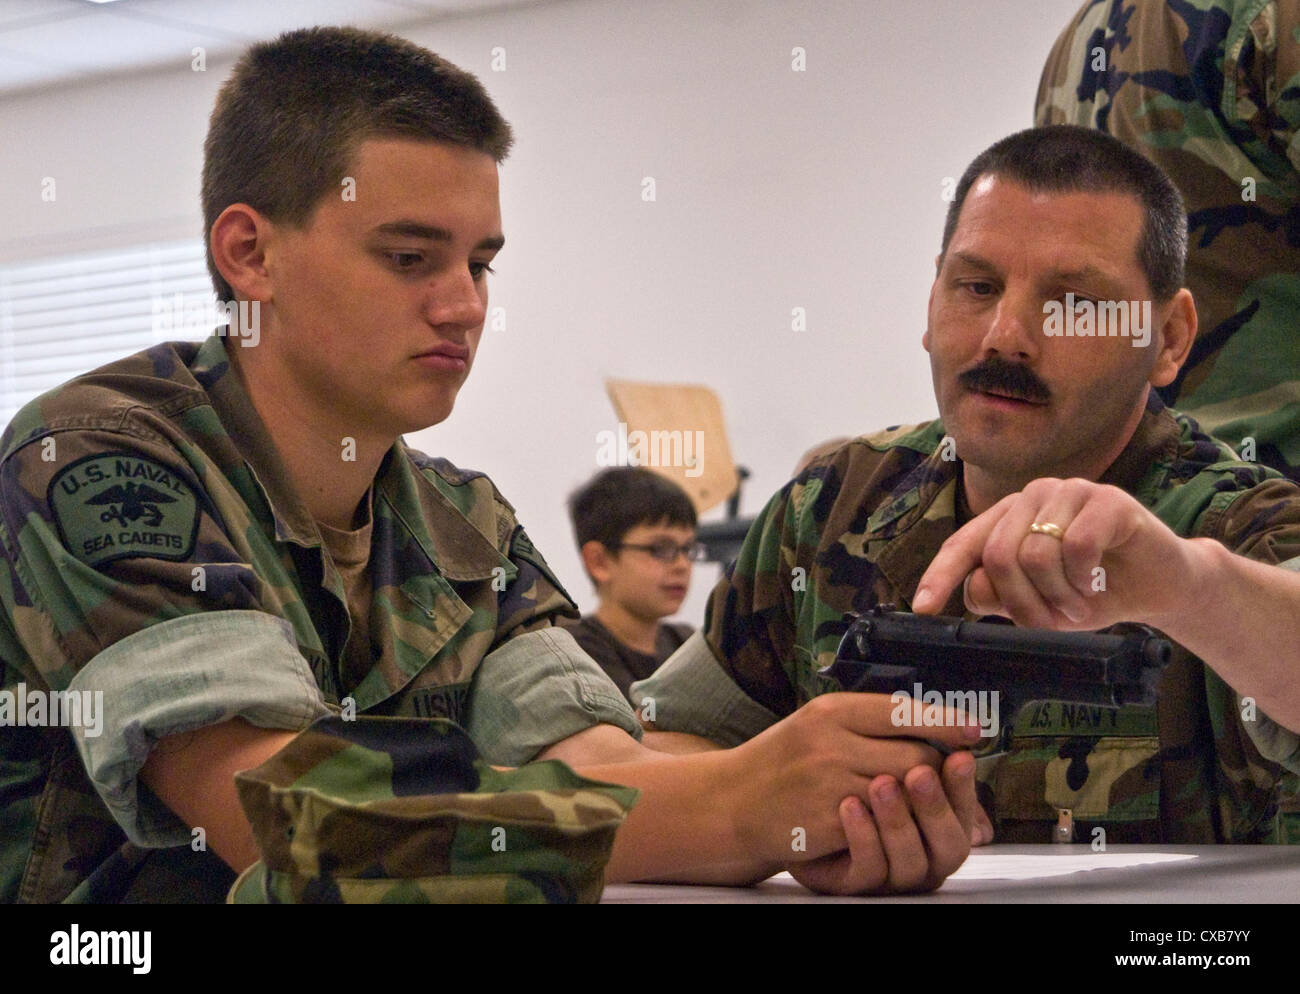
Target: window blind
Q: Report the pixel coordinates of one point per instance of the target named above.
(66, 315)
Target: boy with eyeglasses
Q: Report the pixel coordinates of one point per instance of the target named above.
(636, 535)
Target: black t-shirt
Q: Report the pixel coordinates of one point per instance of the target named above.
(624, 664)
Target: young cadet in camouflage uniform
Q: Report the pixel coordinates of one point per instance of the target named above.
(1210, 92)
(226, 542)
(1067, 435)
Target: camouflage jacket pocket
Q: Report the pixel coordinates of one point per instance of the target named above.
(1098, 779)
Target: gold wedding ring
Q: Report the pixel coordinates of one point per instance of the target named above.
(1047, 528)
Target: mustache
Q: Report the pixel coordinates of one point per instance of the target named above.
(1000, 376)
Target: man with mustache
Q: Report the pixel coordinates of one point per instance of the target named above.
(1064, 492)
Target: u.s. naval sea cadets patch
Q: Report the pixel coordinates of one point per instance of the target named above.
(118, 505)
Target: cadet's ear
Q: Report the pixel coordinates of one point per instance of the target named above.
(238, 241)
(1176, 337)
(597, 560)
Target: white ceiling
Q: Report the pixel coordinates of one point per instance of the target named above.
(49, 42)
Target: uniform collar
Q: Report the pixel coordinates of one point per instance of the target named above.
(1152, 450)
(235, 411)
(930, 492)
(927, 493)
(457, 549)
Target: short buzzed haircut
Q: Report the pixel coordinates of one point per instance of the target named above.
(1065, 158)
(290, 117)
(616, 500)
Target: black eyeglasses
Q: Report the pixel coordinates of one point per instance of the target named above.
(667, 552)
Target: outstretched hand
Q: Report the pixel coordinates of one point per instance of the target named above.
(1095, 558)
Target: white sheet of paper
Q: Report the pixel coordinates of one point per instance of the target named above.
(1006, 866)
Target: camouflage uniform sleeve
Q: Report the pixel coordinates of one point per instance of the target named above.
(125, 588)
(692, 693)
(734, 678)
(1208, 91)
(536, 687)
(1227, 67)
(348, 812)
(1262, 524)
(534, 597)
(22, 768)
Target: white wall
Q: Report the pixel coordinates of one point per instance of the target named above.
(775, 189)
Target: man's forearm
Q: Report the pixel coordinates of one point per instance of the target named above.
(683, 826)
(1243, 619)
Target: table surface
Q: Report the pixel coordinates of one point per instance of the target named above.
(1126, 874)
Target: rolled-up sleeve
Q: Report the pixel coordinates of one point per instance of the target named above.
(1274, 742)
(1276, 505)
(175, 677)
(692, 693)
(537, 689)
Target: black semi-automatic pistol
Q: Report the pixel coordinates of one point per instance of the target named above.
(886, 651)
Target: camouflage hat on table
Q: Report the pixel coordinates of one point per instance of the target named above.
(356, 812)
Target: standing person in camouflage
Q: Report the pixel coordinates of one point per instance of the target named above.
(314, 647)
(1210, 92)
(1045, 220)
